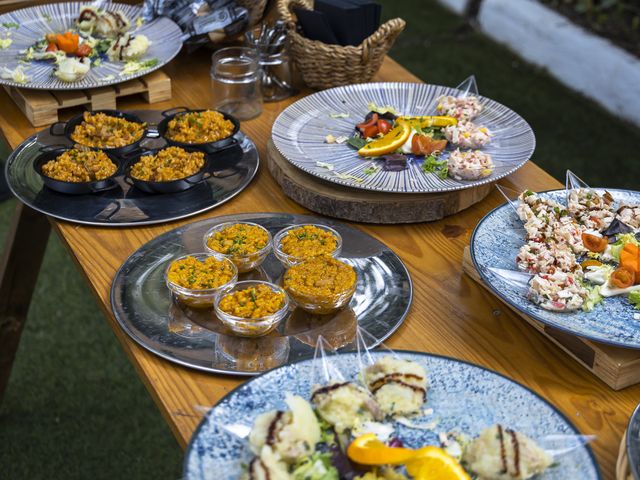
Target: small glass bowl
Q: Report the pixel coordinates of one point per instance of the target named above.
(251, 327)
(244, 263)
(322, 304)
(198, 298)
(290, 260)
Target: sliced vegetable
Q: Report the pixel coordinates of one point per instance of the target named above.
(425, 145)
(590, 263)
(384, 126)
(84, 50)
(622, 277)
(430, 121)
(368, 450)
(52, 47)
(371, 122)
(68, 42)
(593, 243)
(370, 131)
(630, 257)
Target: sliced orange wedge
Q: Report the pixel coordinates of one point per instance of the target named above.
(433, 463)
(430, 121)
(392, 141)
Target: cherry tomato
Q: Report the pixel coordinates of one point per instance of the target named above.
(370, 131)
(594, 243)
(68, 42)
(84, 50)
(52, 47)
(622, 277)
(384, 126)
(373, 122)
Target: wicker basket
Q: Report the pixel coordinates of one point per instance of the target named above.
(325, 66)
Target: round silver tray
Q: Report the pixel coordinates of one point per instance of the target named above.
(124, 206)
(144, 308)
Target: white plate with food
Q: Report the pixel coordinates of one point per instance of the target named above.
(76, 45)
(315, 419)
(403, 137)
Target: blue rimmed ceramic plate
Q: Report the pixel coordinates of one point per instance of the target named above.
(300, 130)
(466, 398)
(633, 443)
(34, 22)
(494, 245)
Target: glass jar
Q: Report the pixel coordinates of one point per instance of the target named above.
(235, 82)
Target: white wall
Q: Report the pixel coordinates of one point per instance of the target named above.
(576, 57)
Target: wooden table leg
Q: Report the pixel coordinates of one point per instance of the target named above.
(21, 260)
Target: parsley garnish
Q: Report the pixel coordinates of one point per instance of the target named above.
(431, 164)
(10, 25)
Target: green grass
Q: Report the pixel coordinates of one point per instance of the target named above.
(571, 132)
(75, 408)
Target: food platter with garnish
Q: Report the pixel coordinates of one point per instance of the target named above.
(241, 294)
(75, 45)
(115, 168)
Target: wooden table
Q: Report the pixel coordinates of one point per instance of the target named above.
(451, 315)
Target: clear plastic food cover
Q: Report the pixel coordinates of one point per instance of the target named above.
(468, 411)
(197, 18)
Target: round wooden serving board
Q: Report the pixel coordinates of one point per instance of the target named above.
(366, 206)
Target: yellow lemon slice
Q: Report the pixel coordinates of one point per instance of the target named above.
(392, 141)
(433, 463)
(430, 121)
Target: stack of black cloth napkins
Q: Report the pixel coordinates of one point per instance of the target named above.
(340, 22)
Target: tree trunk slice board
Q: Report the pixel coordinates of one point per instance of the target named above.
(367, 206)
(42, 107)
(617, 367)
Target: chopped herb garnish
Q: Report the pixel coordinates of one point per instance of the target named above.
(10, 25)
(431, 164)
(371, 170)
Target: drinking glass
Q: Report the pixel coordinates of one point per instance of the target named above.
(235, 82)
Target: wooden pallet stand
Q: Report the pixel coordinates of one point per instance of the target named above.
(41, 107)
(617, 367)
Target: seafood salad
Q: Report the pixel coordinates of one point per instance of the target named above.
(399, 140)
(97, 35)
(580, 253)
(346, 431)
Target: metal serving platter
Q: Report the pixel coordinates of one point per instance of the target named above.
(233, 169)
(144, 307)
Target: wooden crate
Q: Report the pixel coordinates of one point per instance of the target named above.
(615, 366)
(41, 107)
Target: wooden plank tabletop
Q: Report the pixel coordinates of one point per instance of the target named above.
(451, 315)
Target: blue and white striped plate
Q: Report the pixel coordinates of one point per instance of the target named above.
(465, 398)
(494, 245)
(300, 130)
(35, 22)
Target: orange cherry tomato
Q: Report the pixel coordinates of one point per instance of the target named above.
(83, 50)
(622, 277)
(594, 243)
(372, 121)
(384, 126)
(68, 42)
(52, 47)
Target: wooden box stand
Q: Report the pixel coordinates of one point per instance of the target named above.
(615, 366)
(41, 107)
